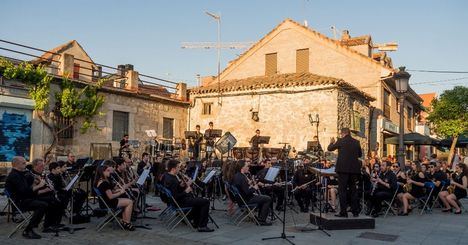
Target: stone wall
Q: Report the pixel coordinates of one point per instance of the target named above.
(283, 114)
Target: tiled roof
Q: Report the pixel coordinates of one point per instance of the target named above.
(427, 99)
(51, 55)
(354, 41)
(277, 81)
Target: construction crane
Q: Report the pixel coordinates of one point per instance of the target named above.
(216, 45)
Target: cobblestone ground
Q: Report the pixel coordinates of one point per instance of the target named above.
(435, 228)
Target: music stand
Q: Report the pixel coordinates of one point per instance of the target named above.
(264, 140)
(88, 172)
(190, 134)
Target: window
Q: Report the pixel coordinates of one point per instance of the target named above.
(168, 128)
(386, 105)
(271, 64)
(119, 125)
(302, 60)
(409, 118)
(358, 123)
(207, 108)
(76, 71)
(62, 123)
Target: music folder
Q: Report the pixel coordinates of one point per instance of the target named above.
(209, 176)
(72, 182)
(143, 177)
(271, 174)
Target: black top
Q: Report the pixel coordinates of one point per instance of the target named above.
(254, 141)
(390, 178)
(302, 176)
(17, 183)
(260, 176)
(417, 191)
(439, 176)
(103, 187)
(58, 181)
(242, 184)
(459, 192)
(209, 138)
(173, 184)
(349, 150)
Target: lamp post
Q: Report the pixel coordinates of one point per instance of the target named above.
(315, 121)
(401, 85)
(217, 17)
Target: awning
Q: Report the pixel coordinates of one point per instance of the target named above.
(462, 141)
(413, 139)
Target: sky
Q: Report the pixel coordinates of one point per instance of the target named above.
(432, 35)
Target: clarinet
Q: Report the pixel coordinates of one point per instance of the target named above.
(374, 184)
(127, 191)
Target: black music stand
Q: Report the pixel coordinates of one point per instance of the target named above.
(88, 177)
(264, 140)
(283, 233)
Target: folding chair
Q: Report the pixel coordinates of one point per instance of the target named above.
(15, 208)
(463, 204)
(390, 204)
(179, 213)
(167, 212)
(244, 210)
(111, 213)
(430, 186)
(436, 200)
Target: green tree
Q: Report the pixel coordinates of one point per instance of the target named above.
(449, 115)
(73, 101)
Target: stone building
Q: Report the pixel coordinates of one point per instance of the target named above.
(131, 107)
(293, 48)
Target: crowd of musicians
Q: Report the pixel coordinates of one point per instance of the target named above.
(377, 180)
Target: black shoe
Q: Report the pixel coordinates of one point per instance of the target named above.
(304, 210)
(30, 234)
(264, 223)
(355, 215)
(49, 230)
(459, 212)
(375, 215)
(342, 215)
(279, 208)
(205, 229)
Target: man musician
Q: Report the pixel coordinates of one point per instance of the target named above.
(303, 183)
(348, 168)
(124, 146)
(210, 140)
(254, 141)
(196, 142)
(383, 187)
(270, 187)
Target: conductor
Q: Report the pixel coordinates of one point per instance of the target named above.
(348, 168)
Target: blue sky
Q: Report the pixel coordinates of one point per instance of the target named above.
(432, 35)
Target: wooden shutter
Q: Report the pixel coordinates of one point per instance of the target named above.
(302, 60)
(271, 64)
(76, 71)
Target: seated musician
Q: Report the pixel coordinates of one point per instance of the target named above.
(254, 141)
(332, 184)
(384, 186)
(304, 184)
(270, 188)
(416, 180)
(48, 194)
(114, 198)
(142, 165)
(122, 176)
(23, 192)
(249, 192)
(438, 177)
(400, 175)
(181, 191)
(71, 163)
(56, 177)
(459, 181)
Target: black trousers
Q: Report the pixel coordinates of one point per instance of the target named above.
(263, 205)
(200, 209)
(375, 201)
(347, 187)
(54, 211)
(278, 193)
(304, 197)
(38, 208)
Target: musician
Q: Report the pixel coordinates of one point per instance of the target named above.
(270, 188)
(23, 193)
(332, 186)
(48, 194)
(316, 147)
(248, 191)
(254, 141)
(114, 199)
(303, 182)
(71, 163)
(56, 177)
(142, 165)
(401, 176)
(384, 186)
(181, 191)
(438, 177)
(124, 146)
(122, 176)
(210, 140)
(416, 180)
(459, 180)
(197, 142)
(348, 168)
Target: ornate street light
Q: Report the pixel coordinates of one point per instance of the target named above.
(401, 85)
(315, 121)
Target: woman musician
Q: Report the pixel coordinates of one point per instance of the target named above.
(416, 181)
(459, 181)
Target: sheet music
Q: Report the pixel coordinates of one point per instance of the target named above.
(271, 174)
(143, 177)
(72, 182)
(209, 176)
(195, 174)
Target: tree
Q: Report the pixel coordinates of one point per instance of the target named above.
(73, 101)
(449, 115)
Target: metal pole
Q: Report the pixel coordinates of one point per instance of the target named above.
(219, 57)
(401, 146)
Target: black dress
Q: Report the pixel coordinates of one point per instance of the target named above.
(103, 187)
(459, 192)
(417, 191)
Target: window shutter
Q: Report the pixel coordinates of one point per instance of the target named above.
(302, 60)
(271, 64)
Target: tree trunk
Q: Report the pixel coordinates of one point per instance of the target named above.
(452, 151)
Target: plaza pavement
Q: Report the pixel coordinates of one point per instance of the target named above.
(435, 228)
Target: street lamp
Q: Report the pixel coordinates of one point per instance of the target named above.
(401, 85)
(315, 121)
(217, 17)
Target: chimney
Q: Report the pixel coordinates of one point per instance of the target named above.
(181, 91)
(345, 35)
(121, 70)
(66, 65)
(132, 80)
